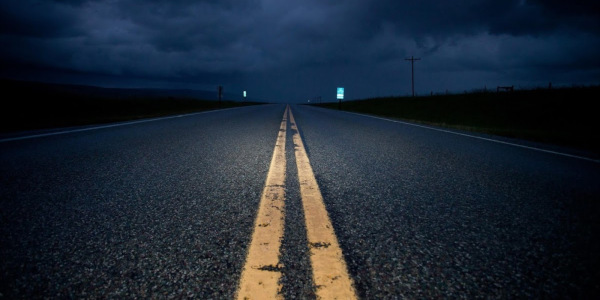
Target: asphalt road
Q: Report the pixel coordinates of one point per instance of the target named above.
(166, 209)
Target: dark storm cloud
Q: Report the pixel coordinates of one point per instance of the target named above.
(43, 19)
(258, 42)
(515, 17)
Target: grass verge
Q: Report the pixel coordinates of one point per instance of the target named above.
(564, 116)
(32, 106)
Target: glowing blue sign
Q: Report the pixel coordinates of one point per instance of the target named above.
(340, 93)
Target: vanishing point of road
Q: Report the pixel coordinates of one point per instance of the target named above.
(277, 201)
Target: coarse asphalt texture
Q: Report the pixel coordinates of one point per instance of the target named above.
(425, 214)
(152, 210)
(165, 209)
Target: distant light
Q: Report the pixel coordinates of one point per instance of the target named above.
(340, 93)
(244, 94)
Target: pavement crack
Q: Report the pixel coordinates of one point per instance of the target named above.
(271, 268)
(319, 245)
(276, 185)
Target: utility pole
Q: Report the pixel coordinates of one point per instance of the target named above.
(412, 65)
(220, 91)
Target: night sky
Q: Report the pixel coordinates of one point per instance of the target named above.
(292, 50)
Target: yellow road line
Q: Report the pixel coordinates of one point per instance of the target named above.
(330, 274)
(262, 270)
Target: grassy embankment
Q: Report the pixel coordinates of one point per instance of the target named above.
(31, 106)
(561, 116)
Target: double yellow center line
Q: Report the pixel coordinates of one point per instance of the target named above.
(262, 270)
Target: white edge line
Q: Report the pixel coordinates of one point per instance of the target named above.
(26, 137)
(481, 138)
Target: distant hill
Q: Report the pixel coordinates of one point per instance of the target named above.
(33, 105)
(112, 93)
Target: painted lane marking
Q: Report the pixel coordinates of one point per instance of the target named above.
(330, 273)
(481, 138)
(262, 269)
(33, 136)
